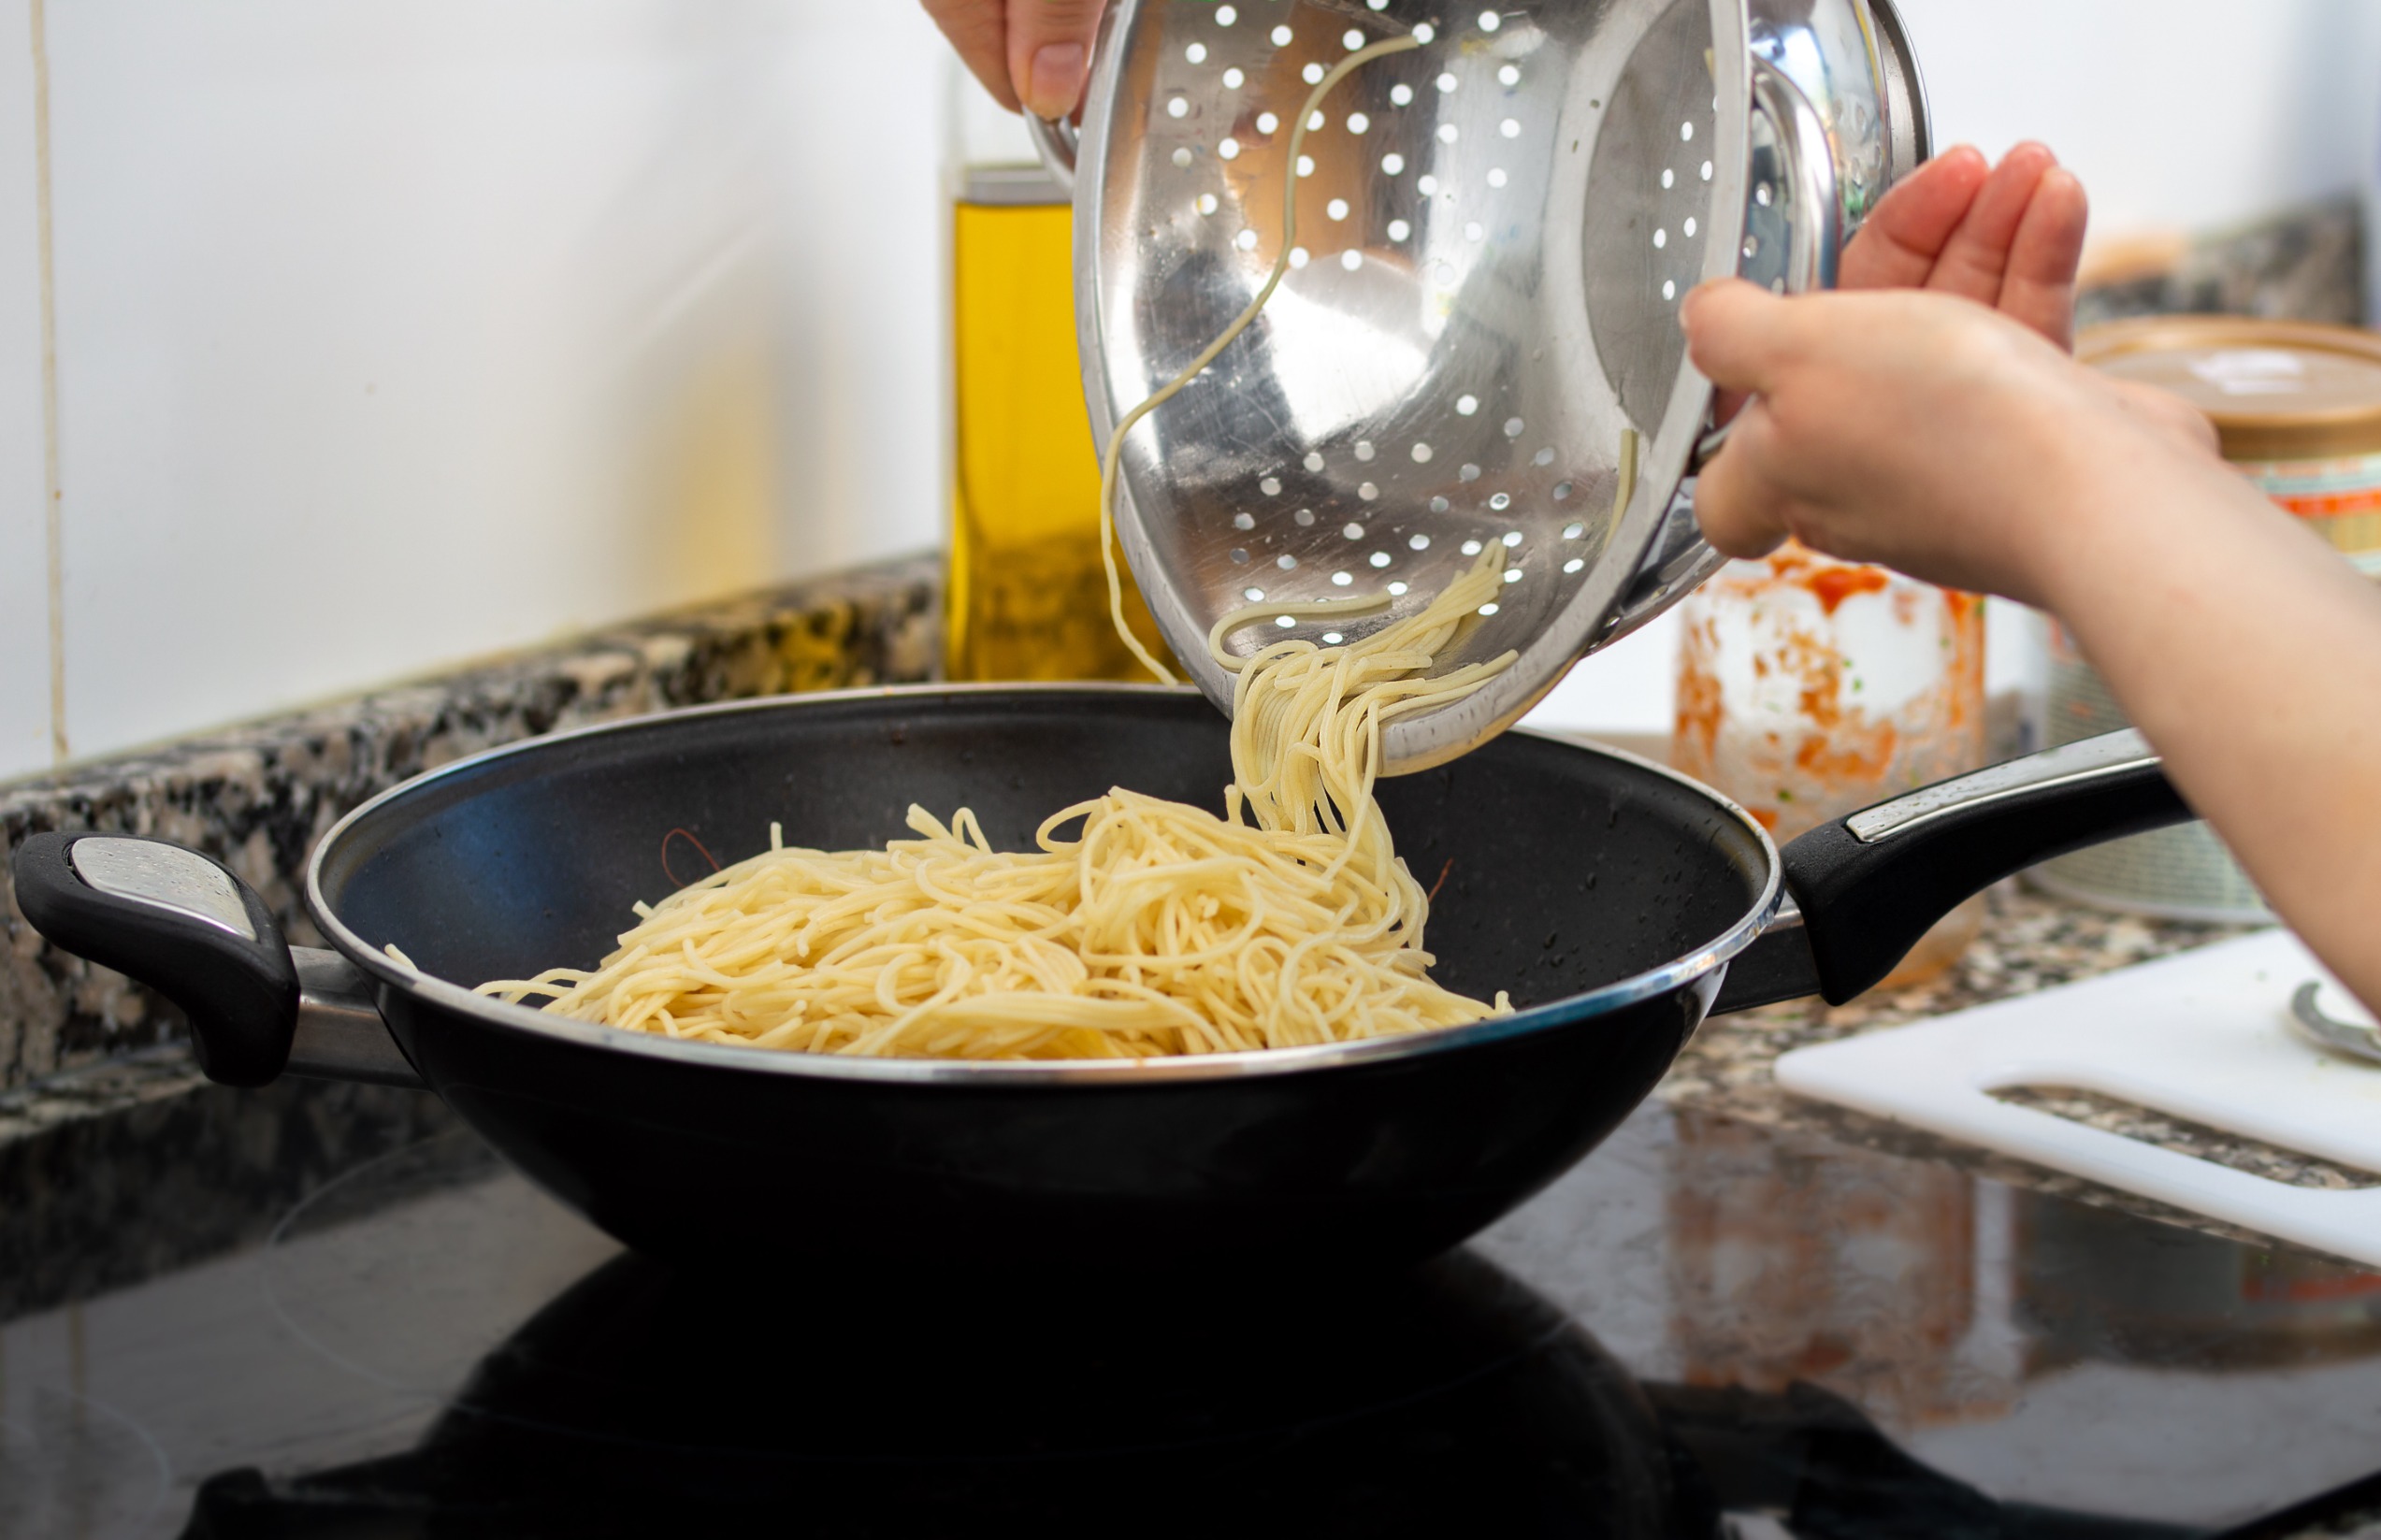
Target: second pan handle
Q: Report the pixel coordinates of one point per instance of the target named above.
(1868, 886)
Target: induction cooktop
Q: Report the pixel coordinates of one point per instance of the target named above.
(1707, 1331)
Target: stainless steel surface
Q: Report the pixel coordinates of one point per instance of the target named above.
(1795, 189)
(1831, 50)
(1674, 564)
(340, 1034)
(1054, 139)
(2110, 753)
(1779, 965)
(2352, 1038)
(163, 876)
(1907, 109)
(1493, 238)
(1672, 975)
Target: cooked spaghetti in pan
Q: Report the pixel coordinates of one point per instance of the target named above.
(1137, 927)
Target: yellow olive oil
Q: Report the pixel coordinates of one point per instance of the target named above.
(1026, 596)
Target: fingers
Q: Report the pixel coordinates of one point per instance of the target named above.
(1049, 50)
(2039, 288)
(978, 29)
(1907, 231)
(1975, 260)
(1740, 511)
(1738, 333)
(1741, 337)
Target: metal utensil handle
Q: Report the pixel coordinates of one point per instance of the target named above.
(1055, 140)
(1814, 259)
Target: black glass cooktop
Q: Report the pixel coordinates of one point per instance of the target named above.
(1706, 1329)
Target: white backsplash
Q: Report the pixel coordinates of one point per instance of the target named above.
(393, 332)
(24, 579)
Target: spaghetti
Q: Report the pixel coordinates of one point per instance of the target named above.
(1158, 929)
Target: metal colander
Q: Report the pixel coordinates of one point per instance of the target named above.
(1479, 345)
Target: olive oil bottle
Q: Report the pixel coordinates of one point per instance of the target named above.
(1027, 595)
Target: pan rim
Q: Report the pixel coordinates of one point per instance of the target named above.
(1666, 978)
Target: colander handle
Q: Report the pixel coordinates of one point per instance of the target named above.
(1807, 159)
(1054, 139)
(1810, 162)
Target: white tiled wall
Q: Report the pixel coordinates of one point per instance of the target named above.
(397, 331)
(24, 602)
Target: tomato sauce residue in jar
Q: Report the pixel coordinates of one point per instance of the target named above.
(1810, 687)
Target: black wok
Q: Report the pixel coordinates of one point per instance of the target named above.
(1617, 901)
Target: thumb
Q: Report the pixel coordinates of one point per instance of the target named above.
(1736, 333)
(1051, 52)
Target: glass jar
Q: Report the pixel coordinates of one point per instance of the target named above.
(1809, 688)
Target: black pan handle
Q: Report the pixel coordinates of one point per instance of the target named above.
(1868, 886)
(189, 929)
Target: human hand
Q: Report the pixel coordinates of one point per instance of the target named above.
(2009, 237)
(1927, 433)
(1030, 54)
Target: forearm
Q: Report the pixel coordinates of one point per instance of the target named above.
(2250, 654)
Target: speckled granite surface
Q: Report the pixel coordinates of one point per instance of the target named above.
(2305, 265)
(259, 797)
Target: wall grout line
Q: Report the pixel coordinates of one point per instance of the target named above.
(53, 510)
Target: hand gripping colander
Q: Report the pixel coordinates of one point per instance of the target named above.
(1479, 345)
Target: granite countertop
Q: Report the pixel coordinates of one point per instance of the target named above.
(257, 797)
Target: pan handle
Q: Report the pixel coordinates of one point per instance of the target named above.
(1868, 886)
(189, 929)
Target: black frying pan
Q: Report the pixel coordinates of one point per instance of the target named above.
(1617, 901)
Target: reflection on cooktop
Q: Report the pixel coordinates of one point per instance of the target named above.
(642, 1400)
(1450, 1400)
(1707, 1331)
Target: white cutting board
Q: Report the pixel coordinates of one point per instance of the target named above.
(2201, 1036)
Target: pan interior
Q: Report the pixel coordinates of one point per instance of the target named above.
(1564, 870)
